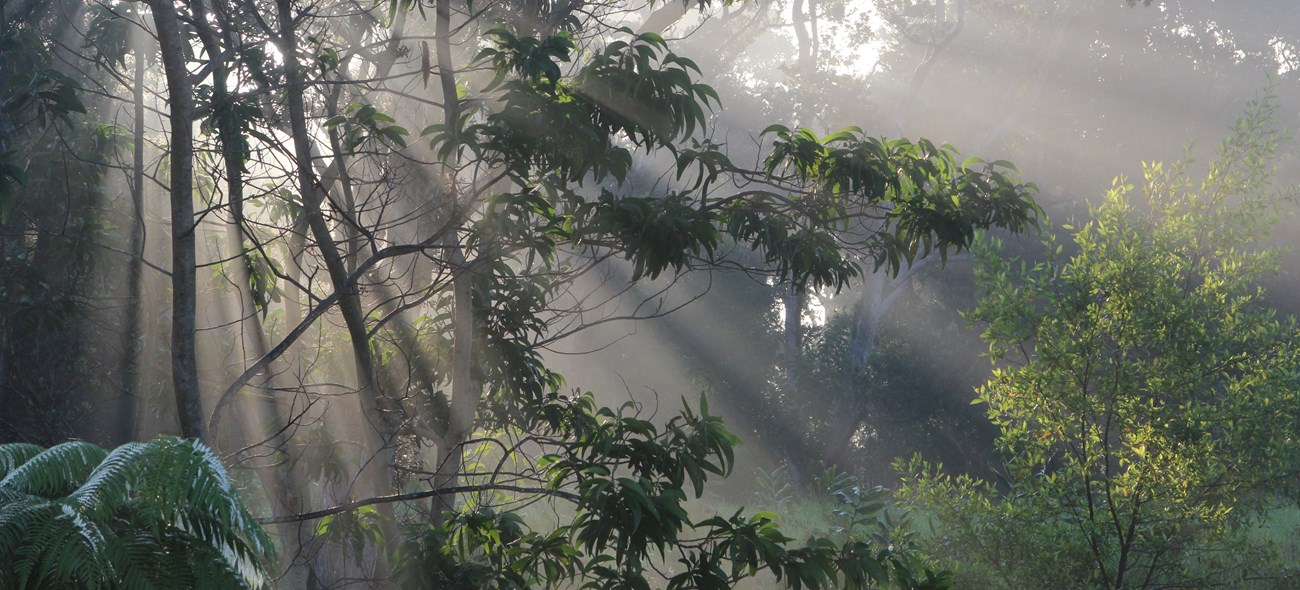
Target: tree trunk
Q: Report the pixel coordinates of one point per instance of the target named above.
(282, 483)
(794, 299)
(180, 99)
(879, 293)
(792, 302)
(465, 392)
(351, 237)
(377, 434)
(129, 404)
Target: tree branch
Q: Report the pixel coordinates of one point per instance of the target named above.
(317, 514)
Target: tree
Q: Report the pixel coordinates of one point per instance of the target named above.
(452, 262)
(180, 101)
(47, 202)
(1146, 397)
(1000, 79)
(904, 390)
(162, 514)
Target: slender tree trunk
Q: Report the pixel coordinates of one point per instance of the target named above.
(153, 334)
(879, 293)
(180, 99)
(794, 299)
(377, 434)
(293, 305)
(792, 303)
(128, 406)
(313, 201)
(282, 483)
(465, 392)
(351, 237)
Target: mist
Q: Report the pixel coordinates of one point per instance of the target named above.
(425, 231)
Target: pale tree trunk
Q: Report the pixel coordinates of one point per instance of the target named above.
(153, 335)
(795, 297)
(293, 305)
(879, 293)
(465, 392)
(131, 390)
(805, 33)
(935, 47)
(792, 302)
(180, 98)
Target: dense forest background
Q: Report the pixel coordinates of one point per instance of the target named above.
(461, 294)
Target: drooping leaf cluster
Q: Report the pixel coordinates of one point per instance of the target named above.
(818, 203)
(916, 195)
(539, 121)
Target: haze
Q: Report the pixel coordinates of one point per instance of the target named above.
(435, 218)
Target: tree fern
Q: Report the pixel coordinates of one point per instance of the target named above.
(56, 471)
(160, 515)
(13, 455)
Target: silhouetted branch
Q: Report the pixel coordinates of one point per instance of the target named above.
(408, 497)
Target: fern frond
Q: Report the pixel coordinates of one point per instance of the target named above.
(19, 516)
(208, 508)
(109, 485)
(134, 562)
(14, 454)
(56, 471)
(147, 516)
(60, 550)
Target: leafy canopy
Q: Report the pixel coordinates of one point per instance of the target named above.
(818, 204)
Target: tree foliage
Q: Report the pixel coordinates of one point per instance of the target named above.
(628, 481)
(1146, 398)
(47, 226)
(455, 261)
